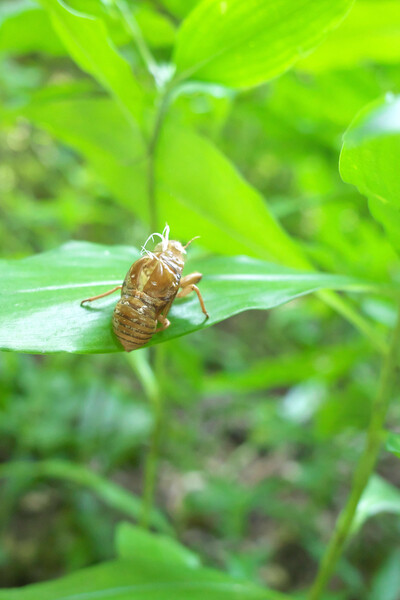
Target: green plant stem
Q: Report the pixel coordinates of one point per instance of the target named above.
(137, 36)
(364, 468)
(152, 149)
(150, 379)
(151, 464)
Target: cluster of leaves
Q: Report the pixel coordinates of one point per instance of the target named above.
(159, 131)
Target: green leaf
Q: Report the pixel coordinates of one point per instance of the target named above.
(25, 27)
(287, 369)
(135, 543)
(179, 8)
(393, 444)
(87, 40)
(369, 160)
(385, 584)
(222, 207)
(242, 44)
(371, 33)
(99, 131)
(109, 492)
(40, 296)
(230, 215)
(157, 30)
(378, 497)
(142, 580)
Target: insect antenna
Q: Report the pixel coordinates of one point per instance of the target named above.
(192, 240)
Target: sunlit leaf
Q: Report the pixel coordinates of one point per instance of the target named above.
(98, 130)
(241, 44)
(222, 207)
(157, 30)
(26, 27)
(371, 33)
(369, 160)
(179, 8)
(229, 214)
(40, 296)
(90, 45)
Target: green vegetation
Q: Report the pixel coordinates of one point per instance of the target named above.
(253, 455)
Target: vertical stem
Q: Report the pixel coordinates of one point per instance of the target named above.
(364, 468)
(150, 471)
(151, 464)
(146, 375)
(150, 380)
(137, 36)
(152, 148)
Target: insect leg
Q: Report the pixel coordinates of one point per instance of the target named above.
(101, 295)
(188, 284)
(164, 322)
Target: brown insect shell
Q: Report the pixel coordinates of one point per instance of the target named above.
(149, 288)
(157, 277)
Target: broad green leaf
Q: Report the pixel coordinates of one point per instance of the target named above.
(99, 131)
(136, 543)
(242, 44)
(220, 206)
(379, 497)
(25, 27)
(371, 33)
(393, 443)
(179, 8)
(369, 160)
(109, 492)
(230, 215)
(40, 296)
(87, 40)
(142, 580)
(157, 30)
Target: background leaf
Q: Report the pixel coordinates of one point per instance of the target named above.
(136, 543)
(369, 160)
(241, 44)
(229, 214)
(393, 444)
(379, 497)
(142, 580)
(109, 492)
(26, 27)
(40, 295)
(370, 33)
(90, 45)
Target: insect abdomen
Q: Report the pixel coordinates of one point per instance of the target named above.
(134, 320)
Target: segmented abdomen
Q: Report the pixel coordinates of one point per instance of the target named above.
(134, 320)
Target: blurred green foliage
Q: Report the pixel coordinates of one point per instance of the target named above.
(266, 412)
